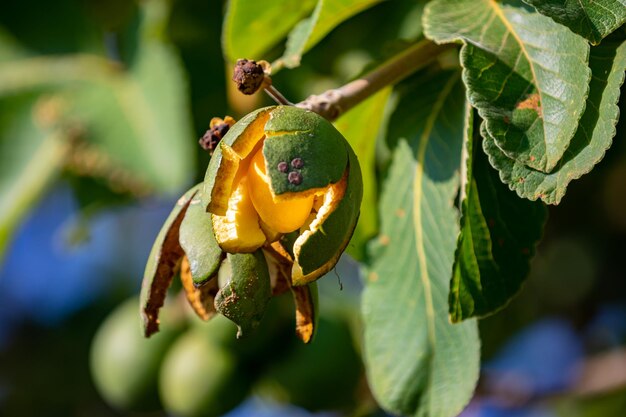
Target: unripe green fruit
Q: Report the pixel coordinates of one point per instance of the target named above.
(124, 364)
(199, 378)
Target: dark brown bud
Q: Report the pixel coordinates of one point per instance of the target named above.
(282, 166)
(294, 178)
(297, 163)
(248, 75)
(213, 136)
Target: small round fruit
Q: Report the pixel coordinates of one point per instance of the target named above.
(124, 364)
(199, 378)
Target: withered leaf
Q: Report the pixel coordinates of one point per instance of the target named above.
(162, 265)
(200, 298)
(305, 299)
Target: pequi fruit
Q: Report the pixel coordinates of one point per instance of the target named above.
(200, 378)
(119, 347)
(278, 206)
(246, 292)
(279, 170)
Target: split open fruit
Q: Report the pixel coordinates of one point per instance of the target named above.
(278, 206)
(285, 176)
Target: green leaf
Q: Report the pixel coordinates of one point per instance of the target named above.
(9, 46)
(30, 156)
(251, 28)
(592, 139)
(499, 232)
(419, 363)
(361, 127)
(138, 117)
(327, 15)
(592, 19)
(526, 74)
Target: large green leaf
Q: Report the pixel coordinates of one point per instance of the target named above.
(131, 123)
(592, 139)
(136, 117)
(140, 119)
(499, 232)
(30, 155)
(251, 28)
(361, 126)
(418, 363)
(526, 74)
(593, 19)
(326, 16)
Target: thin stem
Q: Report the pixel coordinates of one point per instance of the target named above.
(277, 96)
(333, 103)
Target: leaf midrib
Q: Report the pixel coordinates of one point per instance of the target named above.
(498, 11)
(417, 208)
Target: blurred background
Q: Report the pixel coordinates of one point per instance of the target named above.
(101, 108)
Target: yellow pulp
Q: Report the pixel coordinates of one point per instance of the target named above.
(283, 216)
(239, 230)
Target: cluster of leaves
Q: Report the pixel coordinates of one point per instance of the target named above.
(112, 118)
(532, 107)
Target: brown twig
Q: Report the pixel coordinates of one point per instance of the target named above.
(333, 103)
(250, 76)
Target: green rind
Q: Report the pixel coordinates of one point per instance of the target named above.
(244, 298)
(294, 119)
(229, 139)
(160, 267)
(361, 126)
(297, 133)
(198, 241)
(593, 137)
(326, 243)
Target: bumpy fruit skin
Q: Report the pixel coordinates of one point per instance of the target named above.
(301, 176)
(200, 378)
(125, 365)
